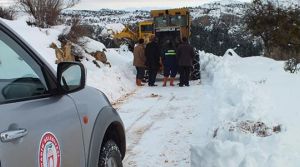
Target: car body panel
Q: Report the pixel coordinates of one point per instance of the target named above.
(100, 114)
(57, 115)
(88, 107)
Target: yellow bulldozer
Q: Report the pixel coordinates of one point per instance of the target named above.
(170, 24)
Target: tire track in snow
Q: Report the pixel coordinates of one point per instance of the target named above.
(118, 103)
(137, 136)
(156, 136)
(137, 131)
(138, 119)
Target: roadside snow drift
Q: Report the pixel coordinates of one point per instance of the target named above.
(255, 111)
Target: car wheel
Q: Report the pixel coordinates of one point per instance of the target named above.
(110, 155)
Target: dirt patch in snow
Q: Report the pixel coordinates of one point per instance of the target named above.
(259, 129)
(116, 104)
(154, 96)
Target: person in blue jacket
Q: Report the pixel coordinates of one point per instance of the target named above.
(169, 62)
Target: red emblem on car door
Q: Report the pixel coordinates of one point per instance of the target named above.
(49, 151)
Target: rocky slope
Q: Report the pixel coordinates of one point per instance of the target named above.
(216, 26)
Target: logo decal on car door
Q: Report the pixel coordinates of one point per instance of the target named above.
(49, 151)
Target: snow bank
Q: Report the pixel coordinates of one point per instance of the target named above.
(241, 93)
(238, 97)
(114, 82)
(109, 29)
(91, 45)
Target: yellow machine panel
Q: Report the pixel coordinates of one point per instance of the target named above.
(146, 30)
(180, 11)
(126, 33)
(172, 23)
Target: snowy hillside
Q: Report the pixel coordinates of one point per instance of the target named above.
(114, 82)
(107, 16)
(217, 9)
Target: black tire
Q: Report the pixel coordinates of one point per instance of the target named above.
(110, 155)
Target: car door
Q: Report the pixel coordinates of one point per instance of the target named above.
(37, 127)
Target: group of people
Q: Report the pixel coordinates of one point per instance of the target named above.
(174, 59)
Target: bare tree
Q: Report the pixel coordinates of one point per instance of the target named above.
(7, 13)
(46, 12)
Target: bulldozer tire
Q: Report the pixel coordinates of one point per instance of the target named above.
(196, 72)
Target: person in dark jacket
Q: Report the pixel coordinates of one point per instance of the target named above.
(152, 53)
(169, 62)
(139, 60)
(185, 55)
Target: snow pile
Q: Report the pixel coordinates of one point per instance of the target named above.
(110, 29)
(114, 82)
(248, 130)
(236, 96)
(91, 45)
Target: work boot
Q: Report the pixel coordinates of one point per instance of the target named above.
(139, 82)
(144, 81)
(165, 81)
(172, 82)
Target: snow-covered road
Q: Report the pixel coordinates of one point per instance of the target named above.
(243, 114)
(159, 123)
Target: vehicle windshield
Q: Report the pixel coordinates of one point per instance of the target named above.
(178, 20)
(161, 21)
(146, 28)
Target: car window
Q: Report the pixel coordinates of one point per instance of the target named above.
(20, 75)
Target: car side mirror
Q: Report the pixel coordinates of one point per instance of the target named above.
(71, 77)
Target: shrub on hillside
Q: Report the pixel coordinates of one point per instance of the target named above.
(292, 65)
(7, 13)
(73, 35)
(46, 12)
(75, 32)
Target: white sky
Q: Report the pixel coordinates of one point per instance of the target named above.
(134, 4)
(141, 4)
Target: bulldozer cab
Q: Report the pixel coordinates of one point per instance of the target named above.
(146, 30)
(172, 24)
